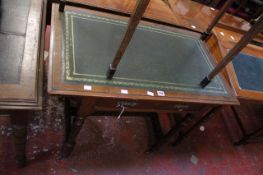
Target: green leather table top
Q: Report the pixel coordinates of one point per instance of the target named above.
(155, 59)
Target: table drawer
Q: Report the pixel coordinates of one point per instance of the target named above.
(148, 105)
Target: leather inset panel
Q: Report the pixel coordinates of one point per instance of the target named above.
(13, 16)
(11, 56)
(249, 71)
(155, 58)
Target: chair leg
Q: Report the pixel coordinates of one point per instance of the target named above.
(245, 139)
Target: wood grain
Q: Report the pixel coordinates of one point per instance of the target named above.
(57, 86)
(227, 39)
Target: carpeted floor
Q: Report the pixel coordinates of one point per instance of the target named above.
(106, 146)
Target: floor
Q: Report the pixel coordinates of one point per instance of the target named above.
(108, 146)
(111, 147)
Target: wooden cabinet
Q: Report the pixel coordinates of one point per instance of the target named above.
(21, 58)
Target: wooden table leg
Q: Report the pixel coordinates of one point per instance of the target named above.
(156, 126)
(67, 117)
(246, 136)
(204, 118)
(171, 133)
(19, 121)
(85, 109)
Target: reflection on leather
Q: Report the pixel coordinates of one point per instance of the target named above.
(155, 58)
(13, 23)
(249, 71)
(11, 53)
(13, 16)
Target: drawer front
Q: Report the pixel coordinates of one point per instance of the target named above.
(148, 105)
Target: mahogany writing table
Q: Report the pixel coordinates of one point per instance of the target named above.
(161, 70)
(21, 51)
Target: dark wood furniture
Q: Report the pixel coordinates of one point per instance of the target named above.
(245, 80)
(93, 96)
(192, 15)
(21, 56)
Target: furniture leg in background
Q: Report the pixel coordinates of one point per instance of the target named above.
(21, 56)
(204, 118)
(188, 118)
(19, 120)
(84, 110)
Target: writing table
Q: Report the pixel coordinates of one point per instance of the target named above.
(160, 72)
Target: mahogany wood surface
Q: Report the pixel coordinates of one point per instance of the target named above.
(226, 39)
(186, 13)
(57, 86)
(156, 9)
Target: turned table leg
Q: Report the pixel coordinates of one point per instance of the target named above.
(85, 109)
(67, 116)
(19, 122)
